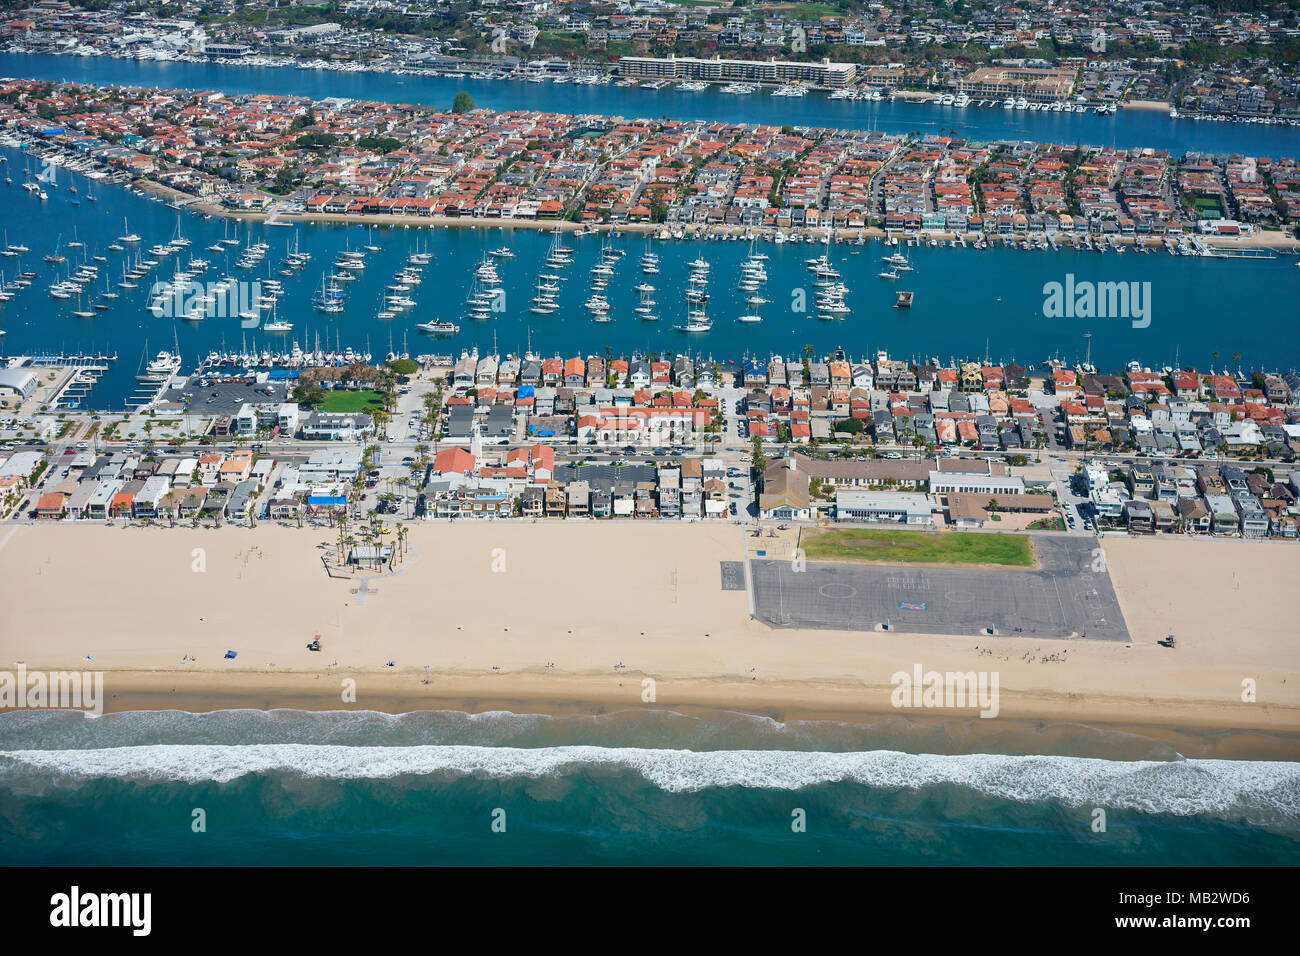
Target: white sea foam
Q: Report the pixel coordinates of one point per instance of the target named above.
(1216, 787)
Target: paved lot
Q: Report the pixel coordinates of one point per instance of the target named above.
(733, 575)
(1064, 597)
(225, 398)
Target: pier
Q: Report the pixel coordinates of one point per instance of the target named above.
(82, 360)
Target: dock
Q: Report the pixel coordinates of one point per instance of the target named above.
(81, 372)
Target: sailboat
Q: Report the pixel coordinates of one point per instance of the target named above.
(80, 312)
(128, 235)
(330, 297)
(178, 241)
(276, 325)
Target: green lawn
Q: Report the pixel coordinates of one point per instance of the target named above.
(807, 11)
(339, 400)
(917, 547)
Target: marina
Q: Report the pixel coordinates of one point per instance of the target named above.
(579, 293)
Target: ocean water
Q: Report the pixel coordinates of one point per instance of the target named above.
(1127, 128)
(654, 787)
(967, 302)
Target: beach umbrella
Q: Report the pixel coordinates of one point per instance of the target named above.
(231, 655)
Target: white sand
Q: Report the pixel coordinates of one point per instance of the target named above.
(581, 594)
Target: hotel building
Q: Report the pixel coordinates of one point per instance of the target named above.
(823, 73)
(1040, 85)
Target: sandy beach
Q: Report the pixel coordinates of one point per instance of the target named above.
(577, 616)
(1146, 105)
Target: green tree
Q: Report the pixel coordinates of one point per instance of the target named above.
(463, 103)
(759, 463)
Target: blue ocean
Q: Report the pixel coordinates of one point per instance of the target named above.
(643, 788)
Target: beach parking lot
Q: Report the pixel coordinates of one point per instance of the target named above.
(1064, 597)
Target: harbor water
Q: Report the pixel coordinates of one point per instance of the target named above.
(1126, 128)
(967, 303)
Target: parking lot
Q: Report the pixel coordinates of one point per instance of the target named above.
(1064, 597)
(216, 397)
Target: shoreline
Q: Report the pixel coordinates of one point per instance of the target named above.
(1265, 239)
(591, 694)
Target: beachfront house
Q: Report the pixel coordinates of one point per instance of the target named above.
(1223, 513)
(50, 505)
(149, 497)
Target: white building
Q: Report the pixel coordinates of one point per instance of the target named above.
(898, 507)
(331, 466)
(975, 477)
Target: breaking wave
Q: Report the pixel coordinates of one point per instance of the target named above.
(1257, 791)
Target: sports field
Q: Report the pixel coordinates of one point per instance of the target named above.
(347, 401)
(888, 546)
